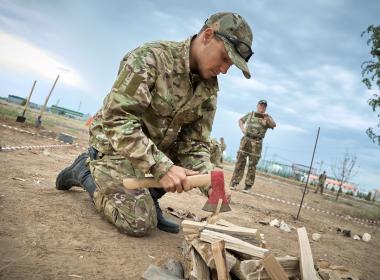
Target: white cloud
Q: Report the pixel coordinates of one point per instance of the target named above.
(340, 116)
(20, 55)
(289, 127)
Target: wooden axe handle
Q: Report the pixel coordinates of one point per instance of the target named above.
(196, 181)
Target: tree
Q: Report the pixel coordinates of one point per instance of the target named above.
(344, 170)
(368, 197)
(371, 74)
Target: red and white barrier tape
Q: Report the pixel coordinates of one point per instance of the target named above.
(36, 134)
(361, 222)
(13, 148)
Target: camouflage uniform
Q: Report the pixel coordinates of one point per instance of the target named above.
(250, 146)
(156, 115)
(321, 182)
(216, 153)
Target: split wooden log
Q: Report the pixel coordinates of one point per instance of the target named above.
(205, 251)
(306, 258)
(225, 223)
(215, 216)
(191, 226)
(219, 254)
(274, 269)
(233, 243)
(194, 266)
(250, 269)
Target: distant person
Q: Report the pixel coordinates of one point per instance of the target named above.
(216, 153)
(254, 125)
(321, 182)
(157, 120)
(223, 147)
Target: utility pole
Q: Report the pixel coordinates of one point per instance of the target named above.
(308, 175)
(39, 118)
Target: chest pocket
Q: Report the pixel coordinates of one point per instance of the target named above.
(256, 127)
(162, 102)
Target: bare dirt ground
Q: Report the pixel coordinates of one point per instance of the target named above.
(50, 234)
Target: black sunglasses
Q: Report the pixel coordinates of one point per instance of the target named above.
(242, 48)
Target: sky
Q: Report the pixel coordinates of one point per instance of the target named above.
(306, 64)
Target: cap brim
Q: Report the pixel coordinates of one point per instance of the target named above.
(237, 59)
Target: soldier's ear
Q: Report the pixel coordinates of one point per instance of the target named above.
(207, 35)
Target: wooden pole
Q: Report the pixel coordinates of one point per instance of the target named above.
(28, 100)
(308, 175)
(22, 117)
(39, 121)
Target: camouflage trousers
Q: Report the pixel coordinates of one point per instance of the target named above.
(248, 148)
(319, 186)
(131, 211)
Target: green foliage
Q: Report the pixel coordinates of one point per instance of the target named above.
(368, 197)
(350, 193)
(332, 189)
(371, 74)
(361, 195)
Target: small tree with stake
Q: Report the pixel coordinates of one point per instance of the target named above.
(344, 170)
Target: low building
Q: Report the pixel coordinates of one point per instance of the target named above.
(16, 99)
(376, 195)
(66, 112)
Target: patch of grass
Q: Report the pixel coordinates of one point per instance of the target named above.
(72, 126)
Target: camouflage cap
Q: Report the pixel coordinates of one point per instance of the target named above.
(263, 101)
(233, 25)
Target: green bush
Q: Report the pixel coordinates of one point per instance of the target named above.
(368, 197)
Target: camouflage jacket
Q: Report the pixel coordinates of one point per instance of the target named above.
(157, 113)
(256, 126)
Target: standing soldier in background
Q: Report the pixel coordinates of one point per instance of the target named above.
(254, 125)
(216, 153)
(223, 147)
(321, 182)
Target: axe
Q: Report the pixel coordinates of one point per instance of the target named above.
(215, 179)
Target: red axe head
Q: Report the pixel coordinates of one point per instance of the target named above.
(217, 186)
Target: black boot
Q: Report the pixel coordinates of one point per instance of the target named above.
(162, 223)
(77, 174)
(247, 188)
(233, 185)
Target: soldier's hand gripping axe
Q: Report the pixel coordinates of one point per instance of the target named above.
(215, 179)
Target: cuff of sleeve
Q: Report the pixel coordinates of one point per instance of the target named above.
(207, 168)
(205, 190)
(162, 166)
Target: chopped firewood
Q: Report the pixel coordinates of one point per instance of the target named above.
(252, 269)
(183, 214)
(194, 266)
(233, 243)
(236, 230)
(274, 269)
(218, 252)
(204, 250)
(306, 258)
